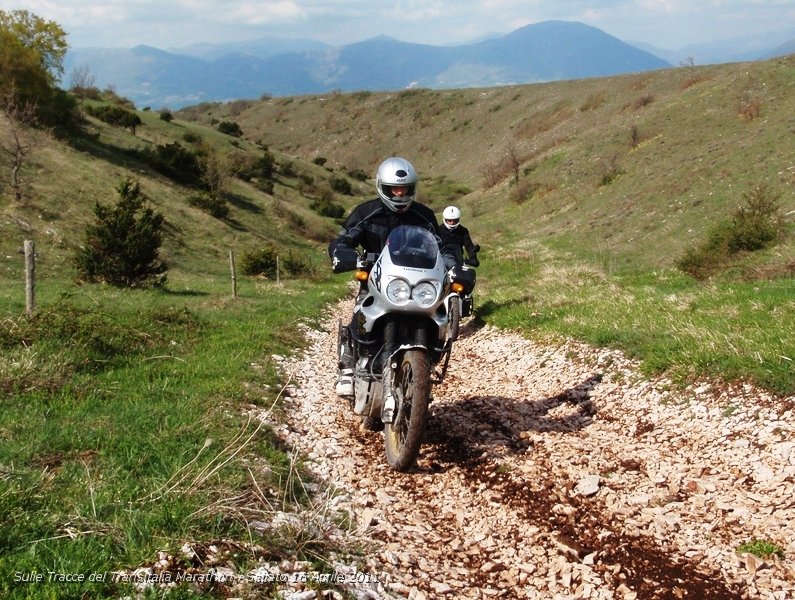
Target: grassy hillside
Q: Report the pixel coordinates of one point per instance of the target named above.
(124, 428)
(628, 169)
(616, 178)
(126, 422)
(585, 195)
(65, 178)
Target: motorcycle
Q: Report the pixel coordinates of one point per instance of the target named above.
(406, 319)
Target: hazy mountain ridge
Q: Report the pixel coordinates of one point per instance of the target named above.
(747, 48)
(548, 51)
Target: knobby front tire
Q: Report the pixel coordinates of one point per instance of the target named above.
(402, 439)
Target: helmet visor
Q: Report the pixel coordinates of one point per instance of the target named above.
(452, 222)
(398, 191)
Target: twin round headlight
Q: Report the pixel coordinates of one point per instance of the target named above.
(399, 291)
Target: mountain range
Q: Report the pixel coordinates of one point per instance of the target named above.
(547, 51)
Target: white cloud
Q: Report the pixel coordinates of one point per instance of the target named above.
(259, 13)
(166, 24)
(666, 6)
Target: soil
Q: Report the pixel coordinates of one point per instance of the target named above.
(558, 471)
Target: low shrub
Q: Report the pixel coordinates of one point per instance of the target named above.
(216, 206)
(116, 116)
(755, 225)
(173, 161)
(230, 128)
(358, 174)
(267, 262)
(192, 138)
(341, 186)
(260, 168)
(326, 207)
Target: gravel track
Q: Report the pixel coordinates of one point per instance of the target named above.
(559, 472)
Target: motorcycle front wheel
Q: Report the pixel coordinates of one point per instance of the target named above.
(412, 388)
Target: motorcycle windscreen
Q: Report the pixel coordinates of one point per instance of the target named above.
(411, 246)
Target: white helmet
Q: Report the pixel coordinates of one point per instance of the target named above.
(452, 217)
(396, 171)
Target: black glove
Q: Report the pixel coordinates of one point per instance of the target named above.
(472, 261)
(343, 259)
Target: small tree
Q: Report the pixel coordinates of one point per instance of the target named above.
(122, 247)
(21, 118)
(84, 84)
(216, 171)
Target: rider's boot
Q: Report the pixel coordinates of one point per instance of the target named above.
(344, 385)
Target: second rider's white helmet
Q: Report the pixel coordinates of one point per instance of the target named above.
(396, 171)
(452, 217)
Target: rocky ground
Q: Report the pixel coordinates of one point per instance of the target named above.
(558, 472)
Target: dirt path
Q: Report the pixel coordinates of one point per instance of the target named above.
(560, 472)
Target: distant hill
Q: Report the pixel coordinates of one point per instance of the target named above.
(742, 49)
(261, 48)
(548, 51)
(784, 49)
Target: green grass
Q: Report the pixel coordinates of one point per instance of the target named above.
(761, 548)
(122, 412)
(671, 323)
(119, 409)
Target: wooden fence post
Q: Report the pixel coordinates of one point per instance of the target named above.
(234, 273)
(30, 276)
(278, 280)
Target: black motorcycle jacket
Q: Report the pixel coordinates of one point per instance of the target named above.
(370, 223)
(460, 240)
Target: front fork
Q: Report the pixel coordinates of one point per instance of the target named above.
(417, 338)
(390, 364)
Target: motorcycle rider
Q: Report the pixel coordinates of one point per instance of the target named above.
(455, 235)
(368, 227)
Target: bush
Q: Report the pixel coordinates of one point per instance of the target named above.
(358, 174)
(325, 206)
(216, 206)
(192, 137)
(264, 185)
(230, 128)
(116, 116)
(611, 170)
(173, 161)
(524, 191)
(262, 168)
(259, 262)
(287, 169)
(122, 247)
(756, 225)
(341, 186)
(265, 261)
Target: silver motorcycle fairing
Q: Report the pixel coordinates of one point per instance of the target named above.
(388, 267)
(411, 254)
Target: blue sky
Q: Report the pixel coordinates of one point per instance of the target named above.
(666, 24)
